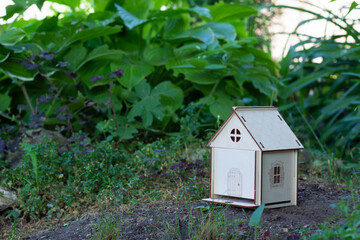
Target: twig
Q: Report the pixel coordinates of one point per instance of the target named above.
(112, 106)
(23, 88)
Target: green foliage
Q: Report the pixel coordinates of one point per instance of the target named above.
(107, 228)
(169, 58)
(51, 181)
(208, 223)
(321, 79)
(256, 216)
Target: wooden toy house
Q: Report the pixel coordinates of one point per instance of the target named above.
(254, 160)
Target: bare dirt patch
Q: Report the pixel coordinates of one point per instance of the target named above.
(157, 220)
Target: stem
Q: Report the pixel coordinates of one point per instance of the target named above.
(112, 105)
(311, 129)
(23, 88)
(2, 29)
(62, 100)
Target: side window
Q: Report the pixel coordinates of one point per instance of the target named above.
(276, 174)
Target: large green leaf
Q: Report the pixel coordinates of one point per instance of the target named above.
(76, 56)
(16, 71)
(173, 13)
(200, 76)
(195, 70)
(5, 101)
(95, 32)
(139, 8)
(203, 34)
(164, 97)
(305, 81)
(156, 55)
(12, 36)
(222, 30)
(221, 106)
(102, 52)
(169, 94)
(100, 5)
(134, 72)
(256, 216)
(130, 20)
(48, 25)
(223, 12)
(92, 69)
(71, 3)
(4, 54)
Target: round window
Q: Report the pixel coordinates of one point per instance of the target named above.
(235, 135)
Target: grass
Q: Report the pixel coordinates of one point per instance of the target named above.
(112, 174)
(108, 228)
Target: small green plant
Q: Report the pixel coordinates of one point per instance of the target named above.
(350, 210)
(203, 222)
(107, 228)
(30, 150)
(256, 218)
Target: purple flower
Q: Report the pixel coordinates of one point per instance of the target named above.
(73, 100)
(70, 74)
(45, 99)
(96, 78)
(159, 150)
(60, 109)
(118, 73)
(90, 103)
(61, 117)
(46, 55)
(2, 146)
(21, 107)
(107, 102)
(29, 65)
(62, 64)
(32, 57)
(36, 120)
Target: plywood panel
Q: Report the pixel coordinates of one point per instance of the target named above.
(234, 202)
(278, 176)
(268, 128)
(233, 135)
(258, 166)
(234, 172)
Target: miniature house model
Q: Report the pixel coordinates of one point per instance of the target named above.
(254, 158)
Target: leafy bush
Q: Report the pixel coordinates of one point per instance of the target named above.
(127, 66)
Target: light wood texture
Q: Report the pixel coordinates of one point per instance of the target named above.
(282, 191)
(234, 172)
(268, 128)
(258, 178)
(230, 201)
(222, 139)
(254, 160)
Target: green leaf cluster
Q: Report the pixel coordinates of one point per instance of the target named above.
(321, 79)
(171, 55)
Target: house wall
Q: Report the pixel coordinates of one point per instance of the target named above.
(233, 173)
(279, 186)
(223, 138)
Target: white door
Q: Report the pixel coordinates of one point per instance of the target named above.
(234, 172)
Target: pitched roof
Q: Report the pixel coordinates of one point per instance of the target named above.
(267, 127)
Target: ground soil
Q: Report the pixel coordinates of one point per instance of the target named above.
(159, 220)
